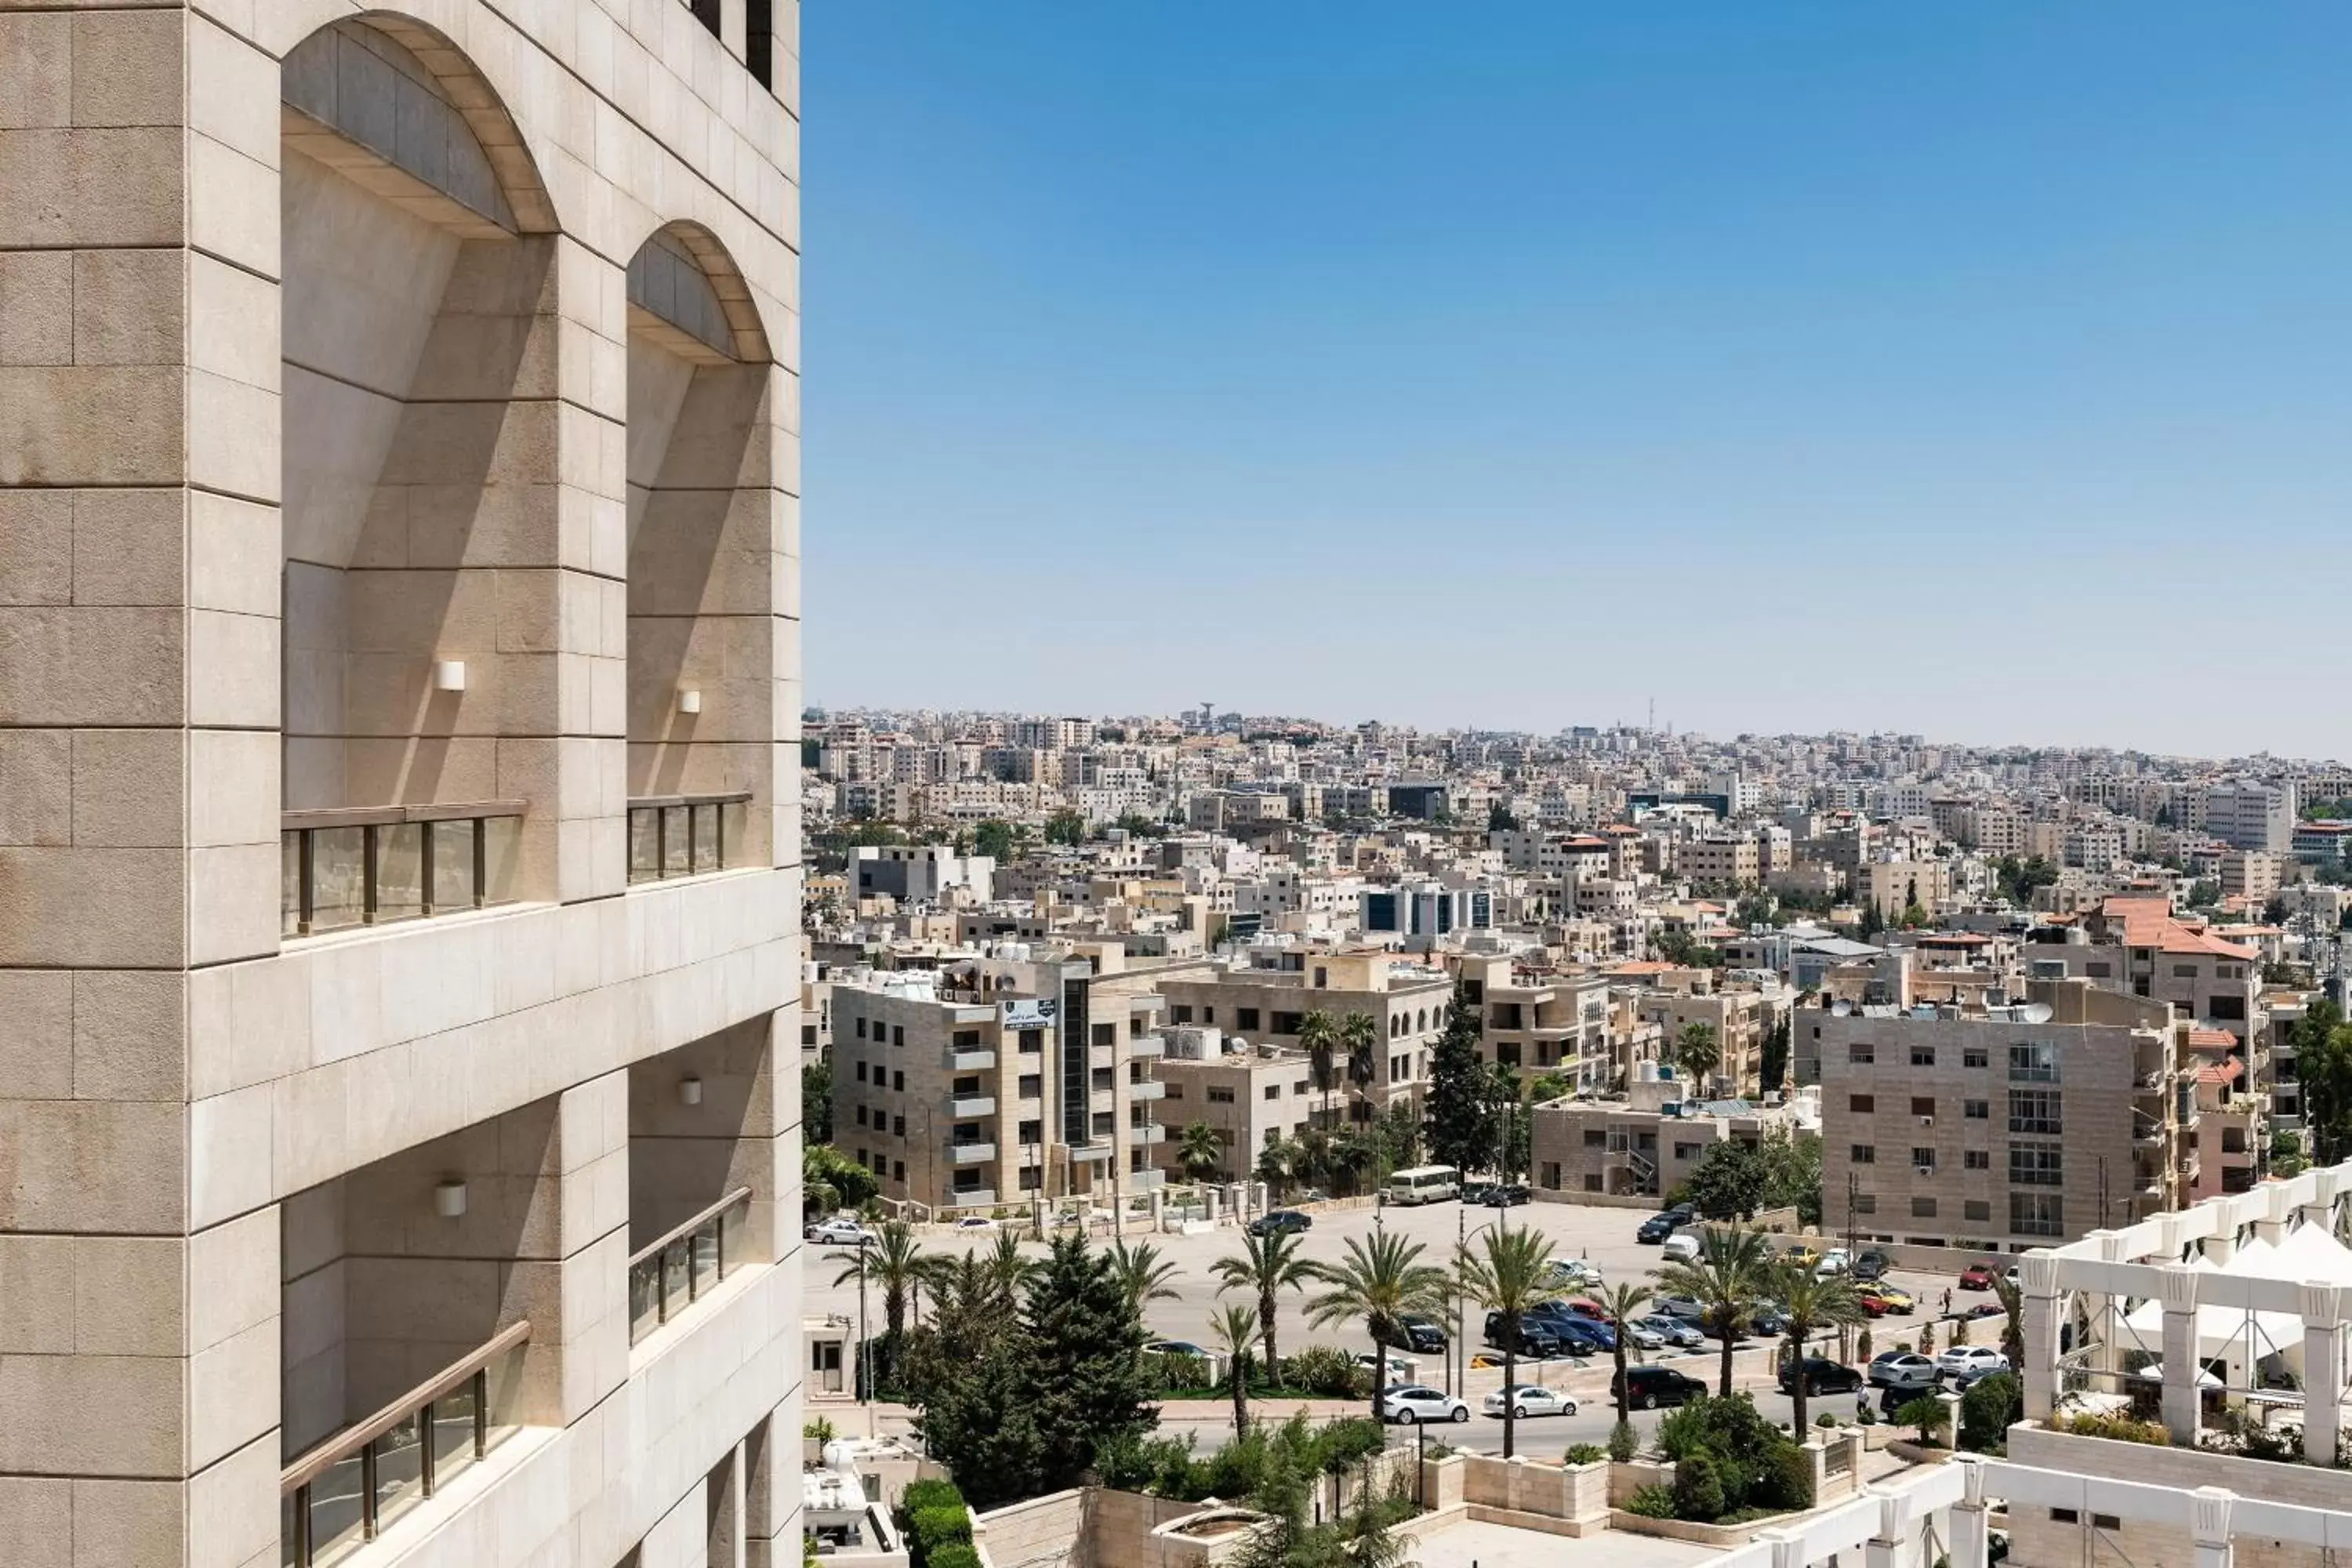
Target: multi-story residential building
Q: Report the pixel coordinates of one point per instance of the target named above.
(2133, 942)
(921, 873)
(1647, 1143)
(1893, 886)
(1718, 861)
(2323, 843)
(1252, 1095)
(2247, 813)
(399, 864)
(2015, 1127)
(1740, 1019)
(1004, 1081)
(2254, 874)
(1539, 1022)
(1407, 1002)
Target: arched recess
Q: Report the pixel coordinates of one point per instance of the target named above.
(705, 548)
(420, 471)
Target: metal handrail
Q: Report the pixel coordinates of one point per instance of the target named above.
(679, 1232)
(661, 811)
(351, 1439)
(380, 816)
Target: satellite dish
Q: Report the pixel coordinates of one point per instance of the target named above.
(1841, 1008)
(2037, 1011)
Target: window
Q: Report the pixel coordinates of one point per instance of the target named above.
(1860, 1054)
(1033, 1133)
(1323, 978)
(2037, 1213)
(1594, 1138)
(1977, 1110)
(861, 1028)
(1864, 1153)
(1923, 1055)
(861, 1072)
(1865, 1202)
(898, 1127)
(1029, 1176)
(1246, 1018)
(898, 1170)
(899, 1082)
(1978, 1209)
(898, 1034)
(1032, 1085)
(1101, 1080)
(965, 1086)
(1862, 1104)
(2064, 1516)
(2105, 1522)
(1922, 1208)
(1976, 1160)
(1592, 1183)
(967, 1039)
(1104, 1123)
(1106, 1035)
(1274, 1092)
(1180, 1012)
(1031, 1042)
(861, 1116)
(1220, 1096)
(1208, 1015)
(2037, 1164)
(2033, 1063)
(1173, 1092)
(2036, 1110)
(1976, 1057)
(2184, 972)
(2099, 969)
(1284, 1022)
(1687, 1151)
(1923, 1105)
(1923, 1160)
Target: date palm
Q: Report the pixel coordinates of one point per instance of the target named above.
(1380, 1283)
(1359, 1038)
(1010, 1269)
(1142, 1274)
(1699, 1054)
(1811, 1301)
(893, 1263)
(1268, 1265)
(1200, 1152)
(1623, 1302)
(1726, 1278)
(1318, 1036)
(1510, 1273)
(1234, 1328)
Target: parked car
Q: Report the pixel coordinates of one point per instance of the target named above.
(840, 1232)
(1506, 1194)
(1836, 1260)
(1398, 1367)
(1686, 1308)
(1535, 1338)
(1801, 1254)
(1822, 1376)
(1422, 1337)
(975, 1222)
(1475, 1192)
(1872, 1303)
(1872, 1265)
(1958, 1359)
(1576, 1272)
(1656, 1228)
(1485, 1360)
(1902, 1369)
(1641, 1335)
(1280, 1222)
(1410, 1404)
(1681, 1247)
(1993, 1310)
(1674, 1332)
(1899, 1302)
(1769, 1320)
(1525, 1399)
(1960, 1383)
(1178, 1347)
(1583, 1336)
(1976, 1277)
(1648, 1387)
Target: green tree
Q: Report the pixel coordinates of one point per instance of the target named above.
(2286, 1153)
(1144, 1274)
(1278, 1165)
(1772, 1072)
(2322, 1043)
(1873, 924)
(1726, 1278)
(1458, 1131)
(1508, 1273)
(1380, 1283)
(1926, 1413)
(1500, 820)
(1200, 1152)
(1809, 1301)
(832, 1180)
(816, 1101)
(1084, 1365)
(1754, 909)
(1010, 1271)
(895, 1264)
(1268, 1265)
(1990, 1407)
(994, 839)
(1066, 827)
(1234, 1328)
(1698, 1056)
(1318, 1036)
(1359, 1038)
(1728, 1183)
(2204, 893)
(1791, 1162)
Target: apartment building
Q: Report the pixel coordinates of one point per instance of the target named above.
(1538, 1022)
(2133, 942)
(1003, 1080)
(1741, 1021)
(1264, 1001)
(1252, 1095)
(399, 868)
(2012, 1128)
(2247, 813)
(921, 873)
(1714, 861)
(1646, 1143)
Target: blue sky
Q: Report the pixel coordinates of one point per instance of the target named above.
(1983, 371)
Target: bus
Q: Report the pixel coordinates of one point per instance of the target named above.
(1426, 1185)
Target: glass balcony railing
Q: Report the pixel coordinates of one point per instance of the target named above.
(673, 1273)
(375, 865)
(686, 834)
(343, 1493)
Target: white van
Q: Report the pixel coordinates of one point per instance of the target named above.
(1424, 1185)
(1681, 1247)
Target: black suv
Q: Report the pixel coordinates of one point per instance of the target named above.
(1821, 1376)
(1535, 1338)
(1422, 1337)
(1657, 1385)
(1505, 1195)
(1870, 1266)
(1279, 1222)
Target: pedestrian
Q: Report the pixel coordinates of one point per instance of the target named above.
(1947, 1300)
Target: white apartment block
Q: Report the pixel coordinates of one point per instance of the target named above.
(399, 838)
(2246, 814)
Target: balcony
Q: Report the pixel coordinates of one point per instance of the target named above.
(676, 1271)
(373, 866)
(345, 1491)
(1147, 1089)
(1149, 1133)
(971, 1061)
(970, 1153)
(686, 834)
(970, 1105)
(1147, 1047)
(972, 1198)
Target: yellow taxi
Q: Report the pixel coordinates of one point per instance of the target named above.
(1801, 1255)
(1899, 1302)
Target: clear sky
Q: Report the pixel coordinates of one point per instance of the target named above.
(1983, 370)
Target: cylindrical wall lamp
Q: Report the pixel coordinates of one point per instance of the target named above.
(449, 1198)
(449, 675)
(690, 1091)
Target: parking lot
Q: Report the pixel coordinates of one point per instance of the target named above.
(1602, 1237)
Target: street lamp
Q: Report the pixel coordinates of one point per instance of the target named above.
(864, 1341)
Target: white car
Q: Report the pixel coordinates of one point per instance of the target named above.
(1576, 1271)
(1836, 1260)
(1674, 1331)
(1901, 1369)
(1525, 1399)
(1410, 1404)
(840, 1232)
(1399, 1368)
(1961, 1359)
(1645, 1337)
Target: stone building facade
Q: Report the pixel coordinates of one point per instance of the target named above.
(399, 853)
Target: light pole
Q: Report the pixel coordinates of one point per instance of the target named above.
(864, 1341)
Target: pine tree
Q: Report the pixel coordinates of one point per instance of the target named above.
(1086, 1373)
(1460, 1132)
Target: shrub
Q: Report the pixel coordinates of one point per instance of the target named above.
(1181, 1373)
(934, 1493)
(1987, 1409)
(1584, 1454)
(955, 1554)
(2116, 1428)
(936, 1527)
(1825, 1420)
(1623, 1441)
(1326, 1371)
(1925, 1413)
(1698, 1489)
(1652, 1502)
(1926, 1339)
(1959, 1331)
(820, 1430)
(1861, 1346)
(1788, 1483)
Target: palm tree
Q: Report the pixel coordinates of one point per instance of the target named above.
(1277, 1165)
(1010, 1271)
(1200, 1152)
(2012, 1324)
(1813, 1302)
(895, 1264)
(1318, 1036)
(1235, 1328)
(1360, 1037)
(1508, 1273)
(1142, 1274)
(1725, 1279)
(1268, 1265)
(1698, 1056)
(1352, 1154)
(1381, 1283)
(1624, 1303)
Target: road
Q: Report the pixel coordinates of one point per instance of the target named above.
(1603, 1237)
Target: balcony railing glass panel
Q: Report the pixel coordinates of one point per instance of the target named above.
(375, 865)
(681, 1268)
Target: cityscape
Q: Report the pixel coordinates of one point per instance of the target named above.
(514, 1056)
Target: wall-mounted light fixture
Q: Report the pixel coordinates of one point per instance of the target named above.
(449, 1198)
(449, 675)
(690, 701)
(690, 1091)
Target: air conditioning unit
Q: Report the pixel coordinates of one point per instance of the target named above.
(1926, 1121)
